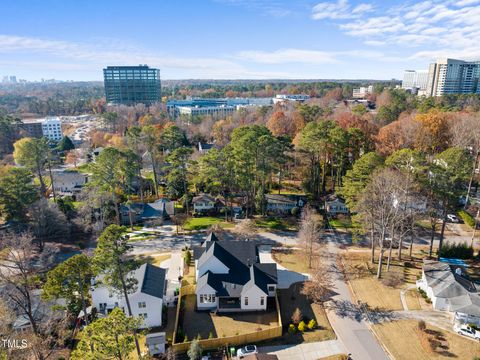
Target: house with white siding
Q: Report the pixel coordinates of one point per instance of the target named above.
(450, 290)
(68, 182)
(231, 278)
(146, 297)
(204, 203)
(283, 204)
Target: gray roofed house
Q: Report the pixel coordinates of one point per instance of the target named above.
(450, 290)
(230, 276)
(283, 204)
(151, 213)
(146, 297)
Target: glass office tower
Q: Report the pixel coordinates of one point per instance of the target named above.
(130, 85)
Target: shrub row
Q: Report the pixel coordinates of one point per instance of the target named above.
(302, 327)
(457, 251)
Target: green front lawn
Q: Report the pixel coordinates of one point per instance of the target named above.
(344, 223)
(283, 224)
(201, 223)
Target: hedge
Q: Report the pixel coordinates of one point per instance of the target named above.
(457, 251)
(467, 218)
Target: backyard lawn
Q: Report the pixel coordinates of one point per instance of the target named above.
(201, 223)
(291, 299)
(204, 323)
(405, 341)
(156, 259)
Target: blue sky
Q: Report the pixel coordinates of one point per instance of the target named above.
(234, 39)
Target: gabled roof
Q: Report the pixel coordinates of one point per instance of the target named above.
(244, 270)
(276, 198)
(150, 280)
(203, 197)
(459, 292)
(152, 210)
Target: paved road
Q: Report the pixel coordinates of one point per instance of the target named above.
(347, 320)
(306, 351)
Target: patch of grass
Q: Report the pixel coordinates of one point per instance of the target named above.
(368, 289)
(403, 340)
(84, 168)
(335, 357)
(413, 301)
(344, 223)
(201, 223)
(275, 223)
(143, 347)
(189, 276)
(156, 259)
(293, 260)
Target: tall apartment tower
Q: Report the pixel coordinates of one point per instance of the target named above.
(415, 79)
(449, 76)
(130, 85)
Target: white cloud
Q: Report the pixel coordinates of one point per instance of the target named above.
(339, 10)
(312, 57)
(453, 26)
(287, 56)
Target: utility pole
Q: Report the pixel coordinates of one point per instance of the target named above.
(475, 227)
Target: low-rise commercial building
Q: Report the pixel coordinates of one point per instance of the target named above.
(51, 128)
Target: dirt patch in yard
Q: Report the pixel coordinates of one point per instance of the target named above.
(207, 325)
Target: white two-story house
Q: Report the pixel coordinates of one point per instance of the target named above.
(204, 203)
(68, 182)
(231, 278)
(146, 299)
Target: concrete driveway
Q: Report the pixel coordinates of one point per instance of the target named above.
(285, 277)
(306, 351)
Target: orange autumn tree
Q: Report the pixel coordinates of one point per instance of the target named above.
(280, 124)
(433, 134)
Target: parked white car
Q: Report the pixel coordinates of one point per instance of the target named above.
(452, 218)
(246, 350)
(466, 330)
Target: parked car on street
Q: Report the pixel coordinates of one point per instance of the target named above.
(246, 350)
(466, 330)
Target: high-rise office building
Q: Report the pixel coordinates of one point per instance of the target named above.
(132, 84)
(415, 80)
(449, 76)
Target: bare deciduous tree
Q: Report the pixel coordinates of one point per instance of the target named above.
(48, 222)
(20, 264)
(378, 201)
(319, 287)
(309, 234)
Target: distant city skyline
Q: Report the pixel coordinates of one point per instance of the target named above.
(235, 39)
